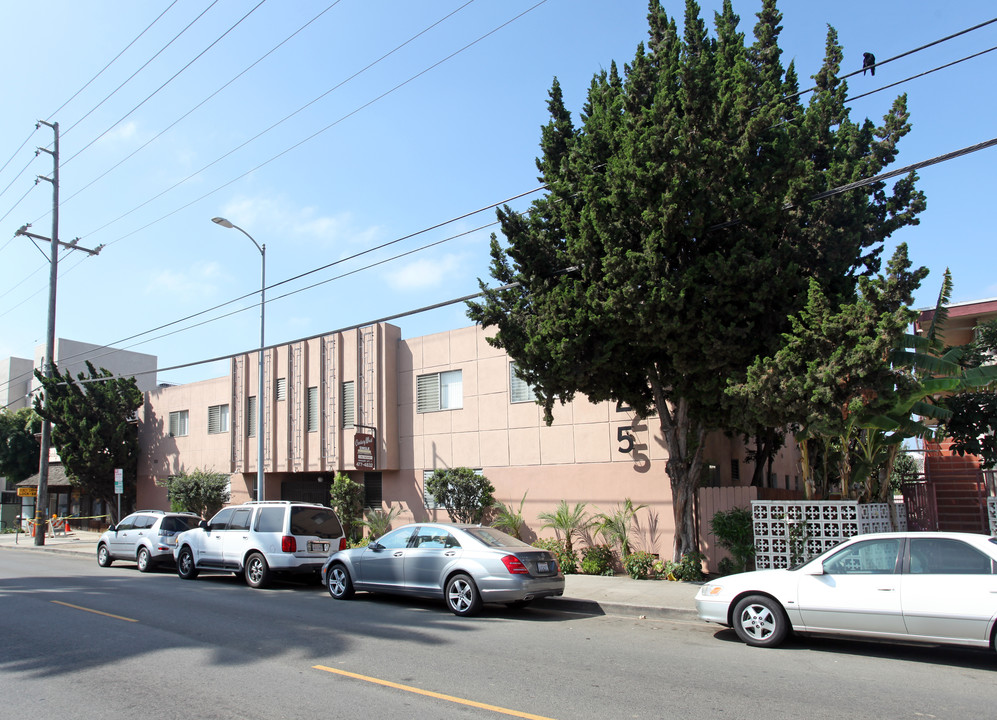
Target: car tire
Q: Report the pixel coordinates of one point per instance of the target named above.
(338, 582)
(257, 572)
(462, 595)
(104, 558)
(760, 621)
(143, 560)
(186, 568)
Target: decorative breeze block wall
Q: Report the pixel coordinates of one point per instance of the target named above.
(992, 513)
(788, 532)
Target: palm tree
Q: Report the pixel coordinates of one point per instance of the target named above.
(567, 522)
(615, 526)
(509, 519)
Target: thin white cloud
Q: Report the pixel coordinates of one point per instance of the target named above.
(200, 281)
(277, 218)
(424, 273)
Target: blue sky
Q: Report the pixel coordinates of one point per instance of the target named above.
(387, 141)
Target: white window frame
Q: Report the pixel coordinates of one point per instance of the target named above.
(179, 423)
(439, 391)
(217, 419)
(520, 391)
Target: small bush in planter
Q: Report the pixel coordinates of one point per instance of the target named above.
(690, 567)
(639, 564)
(568, 562)
(597, 560)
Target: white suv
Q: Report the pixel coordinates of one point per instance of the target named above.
(258, 539)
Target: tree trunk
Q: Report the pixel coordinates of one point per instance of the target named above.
(685, 443)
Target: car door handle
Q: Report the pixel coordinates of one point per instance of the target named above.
(887, 589)
(399, 553)
(450, 553)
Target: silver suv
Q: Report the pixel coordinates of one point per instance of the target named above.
(147, 537)
(258, 539)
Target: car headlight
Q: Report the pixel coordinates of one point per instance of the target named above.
(710, 590)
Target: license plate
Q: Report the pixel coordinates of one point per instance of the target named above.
(318, 547)
(543, 567)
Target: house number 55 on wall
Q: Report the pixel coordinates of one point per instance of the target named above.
(629, 444)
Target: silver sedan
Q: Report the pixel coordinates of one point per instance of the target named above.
(465, 565)
(922, 587)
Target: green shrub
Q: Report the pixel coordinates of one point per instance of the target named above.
(567, 561)
(346, 498)
(597, 560)
(639, 564)
(726, 566)
(465, 495)
(690, 567)
(734, 531)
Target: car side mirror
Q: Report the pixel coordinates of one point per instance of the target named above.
(203, 524)
(112, 528)
(815, 568)
(375, 546)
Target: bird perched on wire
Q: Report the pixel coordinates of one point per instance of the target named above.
(869, 63)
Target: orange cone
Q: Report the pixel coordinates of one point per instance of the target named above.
(67, 526)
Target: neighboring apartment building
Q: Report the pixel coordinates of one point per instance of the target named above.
(17, 384)
(443, 400)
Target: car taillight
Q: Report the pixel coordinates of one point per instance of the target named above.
(514, 565)
(288, 544)
(342, 543)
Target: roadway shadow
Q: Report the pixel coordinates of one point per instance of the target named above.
(951, 655)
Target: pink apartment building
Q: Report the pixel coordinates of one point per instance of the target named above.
(443, 400)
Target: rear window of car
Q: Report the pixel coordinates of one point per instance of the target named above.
(178, 524)
(495, 538)
(318, 521)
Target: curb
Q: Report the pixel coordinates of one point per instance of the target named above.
(594, 607)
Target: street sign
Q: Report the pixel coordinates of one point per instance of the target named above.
(119, 481)
(27, 492)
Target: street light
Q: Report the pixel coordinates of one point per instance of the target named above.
(260, 492)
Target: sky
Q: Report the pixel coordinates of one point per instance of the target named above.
(326, 130)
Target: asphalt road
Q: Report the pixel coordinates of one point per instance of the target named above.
(81, 641)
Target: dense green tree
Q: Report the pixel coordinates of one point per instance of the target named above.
(465, 495)
(346, 497)
(93, 428)
(973, 424)
(19, 448)
(198, 491)
(681, 228)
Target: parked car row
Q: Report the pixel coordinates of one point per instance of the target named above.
(465, 565)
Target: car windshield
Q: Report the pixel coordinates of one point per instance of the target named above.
(495, 538)
(318, 521)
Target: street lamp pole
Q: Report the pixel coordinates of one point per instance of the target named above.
(261, 491)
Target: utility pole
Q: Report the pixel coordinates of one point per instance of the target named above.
(41, 502)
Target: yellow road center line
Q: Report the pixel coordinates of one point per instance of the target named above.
(430, 693)
(95, 612)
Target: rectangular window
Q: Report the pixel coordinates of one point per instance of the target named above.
(282, 388)
(735, 471)
(312, 409)
(519, 390)
(178, 423)
(251, 417)
(427, 498)
(439, 391)
(217, 419)
(349, 405)
(372, 490)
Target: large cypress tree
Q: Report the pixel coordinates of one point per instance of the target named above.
(678, 232)
(93, 428)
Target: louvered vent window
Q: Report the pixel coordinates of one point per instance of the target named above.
(349, 405)
(251, 416)
(312, 409)
(178, 423)
(217, 419)
(439, 391)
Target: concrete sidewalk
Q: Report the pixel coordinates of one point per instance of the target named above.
(589, 594)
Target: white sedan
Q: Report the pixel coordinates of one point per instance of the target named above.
(918, 586)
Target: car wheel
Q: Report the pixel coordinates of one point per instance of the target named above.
(337, 579)
(257, 571)
(185, 564)
(143, 560)
(104, 558)
(462, 595)
(760, 621)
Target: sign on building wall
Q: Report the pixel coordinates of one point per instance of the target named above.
(363, 451)
(27, 492)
